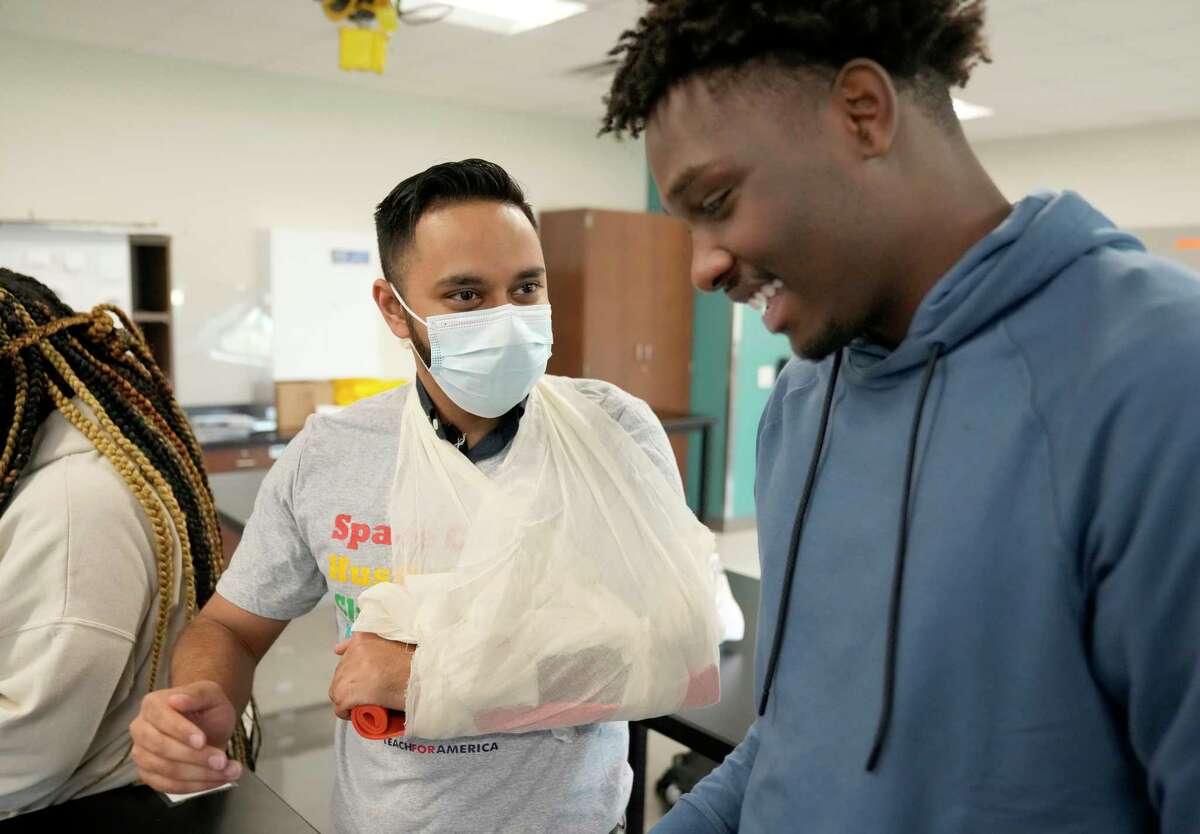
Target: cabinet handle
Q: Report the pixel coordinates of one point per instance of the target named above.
(649, 353)
(245, 463)
(640, 352)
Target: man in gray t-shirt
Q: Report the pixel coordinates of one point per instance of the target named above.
(466, 284)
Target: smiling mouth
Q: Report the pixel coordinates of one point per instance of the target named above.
(762, 298)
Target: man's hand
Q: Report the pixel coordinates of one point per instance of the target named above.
(372, 671)
(179, 738)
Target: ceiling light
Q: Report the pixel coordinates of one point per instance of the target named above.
(510, 17)
(967, 111)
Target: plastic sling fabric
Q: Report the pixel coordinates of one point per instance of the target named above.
(570, 586)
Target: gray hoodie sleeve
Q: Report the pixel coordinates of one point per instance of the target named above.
(1142, 569)
(716, 803)
(1126, 441)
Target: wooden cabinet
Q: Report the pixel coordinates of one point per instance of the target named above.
(619, 286)
(150, 268)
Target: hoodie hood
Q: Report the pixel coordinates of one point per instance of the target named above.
(57, 438)
(1044, 233)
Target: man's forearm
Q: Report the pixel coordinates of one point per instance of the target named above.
(209, 651)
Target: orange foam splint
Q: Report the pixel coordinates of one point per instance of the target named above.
(377, 723)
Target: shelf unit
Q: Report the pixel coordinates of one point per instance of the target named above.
(150, 266)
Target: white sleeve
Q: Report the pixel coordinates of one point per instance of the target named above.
(57, 681)
(75, 584)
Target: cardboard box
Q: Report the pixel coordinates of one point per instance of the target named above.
(294, 401)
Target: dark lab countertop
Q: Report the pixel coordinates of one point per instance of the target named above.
(258, 438)
(234, 494)
(249, 807)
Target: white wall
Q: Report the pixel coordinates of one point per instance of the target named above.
(216, 156)
(1140, 177)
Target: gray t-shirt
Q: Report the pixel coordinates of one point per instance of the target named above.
(321, 524)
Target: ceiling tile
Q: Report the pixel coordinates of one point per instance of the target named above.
(1119, 18)
(1167, 44)
(1059, 64)
(269, 15)
(220, 40)
(119, 25)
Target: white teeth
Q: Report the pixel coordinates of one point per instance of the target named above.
(761, 299)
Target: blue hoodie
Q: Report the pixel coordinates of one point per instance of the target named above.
(1037, 637)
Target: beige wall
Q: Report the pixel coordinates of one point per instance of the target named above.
(215, 156)
(1140, 177)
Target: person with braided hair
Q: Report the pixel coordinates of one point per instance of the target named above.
(109, 544)
(977, 484)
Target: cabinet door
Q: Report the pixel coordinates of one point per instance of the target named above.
(639, 324)
(564, 244)
(667, 339)
(618, 298)
(639, 302)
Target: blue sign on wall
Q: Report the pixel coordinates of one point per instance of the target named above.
(351, 256)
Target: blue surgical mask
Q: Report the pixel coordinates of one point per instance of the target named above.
(487, 361)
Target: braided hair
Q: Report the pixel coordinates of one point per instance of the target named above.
(52, 358)
(930, 45)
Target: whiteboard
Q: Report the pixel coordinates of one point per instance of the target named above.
(326, 323)
(83, 267)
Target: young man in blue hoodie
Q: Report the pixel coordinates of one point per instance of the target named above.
(979, 497)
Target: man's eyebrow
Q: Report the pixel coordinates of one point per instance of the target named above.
(684, 181)
(532, 272)
(460, 281)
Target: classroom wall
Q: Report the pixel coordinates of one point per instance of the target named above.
(216, 156)
(754, 349)
(1140, 177)
(712, 345)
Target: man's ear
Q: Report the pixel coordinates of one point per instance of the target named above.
(392, 312)
(866, 105)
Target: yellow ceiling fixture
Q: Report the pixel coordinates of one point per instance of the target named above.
(362, 45)
(363, 40)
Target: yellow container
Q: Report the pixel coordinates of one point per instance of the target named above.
(362, 49)
(385, 13)
(346, 391)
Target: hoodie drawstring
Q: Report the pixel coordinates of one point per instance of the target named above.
(797, 529)
(893, 629)
(889, 672)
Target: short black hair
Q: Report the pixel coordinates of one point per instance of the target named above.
(467, 181)
(930, 44)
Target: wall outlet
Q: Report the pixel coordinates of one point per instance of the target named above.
(766, 376)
